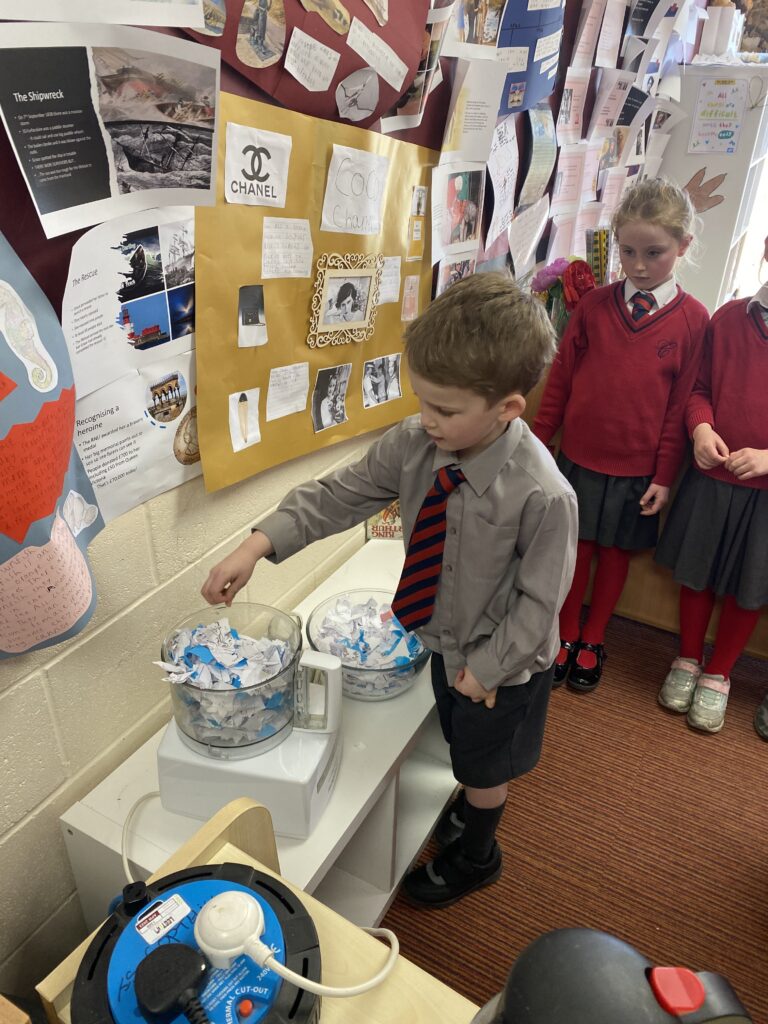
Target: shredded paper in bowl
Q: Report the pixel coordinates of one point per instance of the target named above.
(222, 664)
(366, 636)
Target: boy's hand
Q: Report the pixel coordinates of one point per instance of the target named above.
(467, 684)
(747, 463)
(229, 577)
(654, 500)
(709, 449)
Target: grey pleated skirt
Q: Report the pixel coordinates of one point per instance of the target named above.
(716, 538)
(609, 507)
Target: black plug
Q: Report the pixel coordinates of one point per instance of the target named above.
(168, 981)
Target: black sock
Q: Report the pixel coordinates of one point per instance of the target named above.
(479, 834)
(456, 809)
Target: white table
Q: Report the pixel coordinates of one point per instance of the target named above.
(394, 781)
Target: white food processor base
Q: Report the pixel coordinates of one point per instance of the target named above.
(293, 780)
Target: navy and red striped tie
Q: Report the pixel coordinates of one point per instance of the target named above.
(414, 601)
(642, 304)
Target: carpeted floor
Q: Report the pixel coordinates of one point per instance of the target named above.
(633, 823)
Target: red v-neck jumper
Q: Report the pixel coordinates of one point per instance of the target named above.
(730, 393)
(619, 387)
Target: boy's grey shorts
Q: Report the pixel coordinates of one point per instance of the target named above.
(490, 746)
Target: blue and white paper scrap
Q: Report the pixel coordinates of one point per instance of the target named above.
(225, 667)
(367, 637)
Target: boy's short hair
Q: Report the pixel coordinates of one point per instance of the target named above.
(484, 334)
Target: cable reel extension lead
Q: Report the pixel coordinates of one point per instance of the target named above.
(170, 979)
(232, 923)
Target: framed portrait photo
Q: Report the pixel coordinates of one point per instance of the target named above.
(345, 299)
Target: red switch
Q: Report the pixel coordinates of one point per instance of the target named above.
(677, 989)
(244, 1009)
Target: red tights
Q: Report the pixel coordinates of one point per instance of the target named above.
(733, 631)
(610, 577)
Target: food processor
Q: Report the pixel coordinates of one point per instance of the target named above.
(277, 741)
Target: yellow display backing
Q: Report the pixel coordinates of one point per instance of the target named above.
(228, 256)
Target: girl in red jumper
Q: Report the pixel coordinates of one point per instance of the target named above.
(618, 388)
(716, 537)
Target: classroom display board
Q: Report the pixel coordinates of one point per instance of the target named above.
(309, 266)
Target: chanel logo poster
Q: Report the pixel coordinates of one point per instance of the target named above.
(256, 166)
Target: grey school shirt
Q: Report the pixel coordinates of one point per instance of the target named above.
(510, 546)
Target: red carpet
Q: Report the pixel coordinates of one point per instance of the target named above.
(632, 823)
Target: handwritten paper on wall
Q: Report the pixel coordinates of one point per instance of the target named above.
(311, 62)
(377, 53)
(286, 249)
(354, 192)
(48, 512)
(719, 115)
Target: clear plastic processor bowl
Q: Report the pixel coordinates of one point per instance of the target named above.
(263, 713)
(359, 681)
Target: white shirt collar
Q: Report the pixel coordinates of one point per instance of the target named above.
(662, 293)
(760, 298)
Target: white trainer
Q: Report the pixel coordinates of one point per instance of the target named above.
(710, 698)
(676, 692)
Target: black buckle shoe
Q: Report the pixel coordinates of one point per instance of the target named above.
(586, 679)
(561, 671)
(450, 877)
(451, 824)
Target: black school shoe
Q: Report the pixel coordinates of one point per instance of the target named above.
(450, 877)
(561, 671)
(451, 823)
(586, 679)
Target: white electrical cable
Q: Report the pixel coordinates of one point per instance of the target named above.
(124, 837)
(269, 961)
(232, 923)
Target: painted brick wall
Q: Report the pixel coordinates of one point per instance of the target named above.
(70, 714)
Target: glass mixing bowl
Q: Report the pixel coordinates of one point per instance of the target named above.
(358, 680)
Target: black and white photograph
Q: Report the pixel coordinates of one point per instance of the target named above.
(346, 301)
(419, 201)
(177, 245)
(381, 380)
(329, 399)
(159, 112)
(251, 317)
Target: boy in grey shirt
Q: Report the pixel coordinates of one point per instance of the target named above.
(492, 529)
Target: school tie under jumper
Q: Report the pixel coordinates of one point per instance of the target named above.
(642, 305)
(414, 601)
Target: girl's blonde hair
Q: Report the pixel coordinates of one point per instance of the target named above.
(659, 202)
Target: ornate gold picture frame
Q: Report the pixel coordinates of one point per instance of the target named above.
(345, 299)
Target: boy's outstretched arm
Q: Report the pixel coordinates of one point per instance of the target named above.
(229, 577)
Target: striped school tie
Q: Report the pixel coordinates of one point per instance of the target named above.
(414, 601)
(642, 304)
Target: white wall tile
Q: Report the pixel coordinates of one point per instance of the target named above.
(30, 748)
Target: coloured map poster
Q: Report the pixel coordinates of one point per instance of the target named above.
(181, 13)
(107, 120)
(48, 513)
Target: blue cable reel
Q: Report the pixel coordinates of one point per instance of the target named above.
(164, 913)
